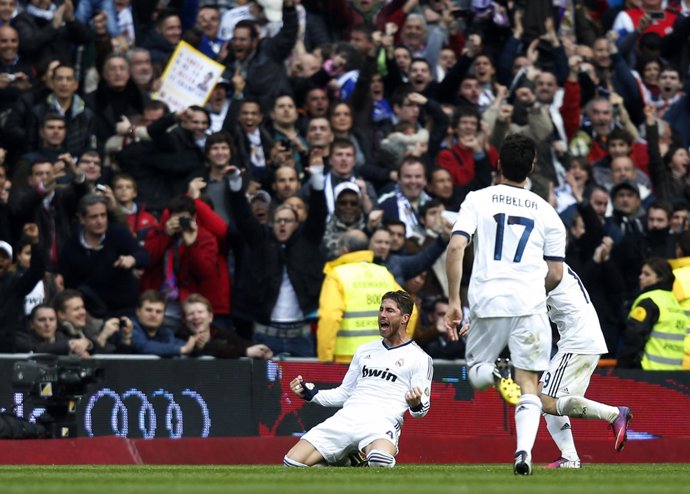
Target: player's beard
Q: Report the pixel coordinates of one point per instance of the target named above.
(390, 330)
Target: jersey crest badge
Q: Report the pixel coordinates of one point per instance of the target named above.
(400, 363)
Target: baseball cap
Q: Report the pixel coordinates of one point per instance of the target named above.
(7, 248)
(343, 186)
(625, 184)
(224, 81)
(261, 195)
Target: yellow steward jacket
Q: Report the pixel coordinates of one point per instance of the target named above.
(664, 348)
(349, 305)
(681, 289)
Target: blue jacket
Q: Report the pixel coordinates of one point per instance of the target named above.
(163, 343)
(406, 267)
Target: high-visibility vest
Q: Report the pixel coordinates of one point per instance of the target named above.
(665, 347)
(364, 284)
(681, 289)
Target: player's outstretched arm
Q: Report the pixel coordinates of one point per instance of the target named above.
(454, 258)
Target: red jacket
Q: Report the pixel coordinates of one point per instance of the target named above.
(638, 154)
(661, 27)
(459, 161)
(140, 223)
(198, 271)
(570, 109)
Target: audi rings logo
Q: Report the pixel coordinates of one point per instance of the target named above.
(138, 402)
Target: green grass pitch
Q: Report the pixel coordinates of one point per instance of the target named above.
(403, 479)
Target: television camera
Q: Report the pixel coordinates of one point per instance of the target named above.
(56, 384)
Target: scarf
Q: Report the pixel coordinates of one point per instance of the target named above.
(40, 13)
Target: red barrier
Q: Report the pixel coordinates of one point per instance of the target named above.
(101, 451)
(270, 450)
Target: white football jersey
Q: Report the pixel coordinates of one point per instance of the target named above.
(378, 379)
(573, 313)
(514, 232)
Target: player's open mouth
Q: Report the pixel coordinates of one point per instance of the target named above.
(384, 324)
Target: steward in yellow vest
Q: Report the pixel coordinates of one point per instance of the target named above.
(681, 289)
(350, 300)
(657, 325)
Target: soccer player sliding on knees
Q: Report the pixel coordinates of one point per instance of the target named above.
(386, 378)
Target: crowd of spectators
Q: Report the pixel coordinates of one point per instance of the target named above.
(127, 227)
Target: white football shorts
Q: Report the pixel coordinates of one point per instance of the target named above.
(528, 338)
(348, 431)
(568, 374)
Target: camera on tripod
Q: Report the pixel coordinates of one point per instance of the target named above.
(55, 384)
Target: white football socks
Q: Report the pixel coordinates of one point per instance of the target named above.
(581, 408)
(562, 434)
(289, 462)
(527, 416)
(381, 459)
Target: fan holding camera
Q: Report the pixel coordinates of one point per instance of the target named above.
(182, 224)
(183, 260)
(649, 17)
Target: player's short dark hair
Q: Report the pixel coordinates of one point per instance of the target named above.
(516, 157)
(402, 298)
